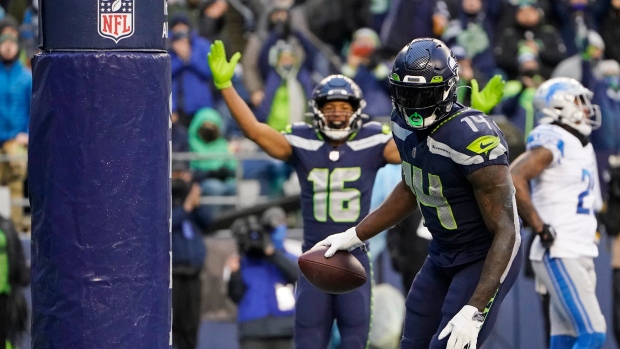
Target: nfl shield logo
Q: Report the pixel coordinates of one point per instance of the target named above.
(116, 19)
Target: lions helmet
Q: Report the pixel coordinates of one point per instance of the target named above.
(566, 101)
(337, 88)
(423, 82)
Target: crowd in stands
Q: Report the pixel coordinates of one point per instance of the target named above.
(288, 46)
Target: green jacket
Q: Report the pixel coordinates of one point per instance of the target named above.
(217, 147)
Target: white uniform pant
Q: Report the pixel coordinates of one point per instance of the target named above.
(571, 283)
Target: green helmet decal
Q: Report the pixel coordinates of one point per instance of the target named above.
(437, 78)
(395, 77)
(416, 119)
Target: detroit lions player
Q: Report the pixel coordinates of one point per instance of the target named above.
(560, 167)
(455, 169)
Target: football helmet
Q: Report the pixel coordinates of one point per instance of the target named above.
(566, 101)
(337, 88)
(423, 82)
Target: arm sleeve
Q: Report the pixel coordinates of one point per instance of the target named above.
(285, 265)
(236, 287)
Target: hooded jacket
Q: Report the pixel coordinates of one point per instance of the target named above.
(217, 147)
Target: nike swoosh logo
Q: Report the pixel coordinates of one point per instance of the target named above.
(482, 146)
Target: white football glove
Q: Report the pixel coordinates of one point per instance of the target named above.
(342, 241)
(464, 326)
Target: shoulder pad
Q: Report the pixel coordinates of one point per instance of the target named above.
(471, 130)
(295, 126)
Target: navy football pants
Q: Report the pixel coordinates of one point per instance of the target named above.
(438, 293)
(316, 310)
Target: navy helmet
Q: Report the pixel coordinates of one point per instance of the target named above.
(423, 82)
(337, 88)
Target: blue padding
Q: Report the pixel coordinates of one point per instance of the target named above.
(100, 195)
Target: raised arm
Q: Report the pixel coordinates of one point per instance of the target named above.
(270, 140)
(525, 168)
(493, 189)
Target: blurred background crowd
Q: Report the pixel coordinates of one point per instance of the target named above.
(287, 47)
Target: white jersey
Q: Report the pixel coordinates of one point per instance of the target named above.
(566, 194)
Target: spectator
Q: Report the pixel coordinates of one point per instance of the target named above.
(179, 138)
(610, 31)
(580, 66)
(334, 22)
(467, 72)
(529, 32)
(367, 68)
(262, 282)
(519, 93)
(216, 175)
(407, 19)
(575, 18)
(188, 256)
(211, 19)
(14, 275)
(611, 220)
(288, 87)
(184, 8)
(474, 31)
(606, 139)
(191, 76)
(15, 91)
(276, 27)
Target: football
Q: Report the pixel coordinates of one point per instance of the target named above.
(340, 273)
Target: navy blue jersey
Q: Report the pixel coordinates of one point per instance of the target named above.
(436, 163)
(336, 182)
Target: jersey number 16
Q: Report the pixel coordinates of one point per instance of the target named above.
(332, 198)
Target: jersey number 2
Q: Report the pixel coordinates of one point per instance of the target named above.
(331, 197)
(585, 177)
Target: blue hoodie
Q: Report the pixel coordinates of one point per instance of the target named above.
(15, 91)
(193, 78)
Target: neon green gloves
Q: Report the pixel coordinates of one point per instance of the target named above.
(221, 69)
(490, 95)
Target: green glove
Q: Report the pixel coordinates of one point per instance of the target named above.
(221, 69)
(490, 95)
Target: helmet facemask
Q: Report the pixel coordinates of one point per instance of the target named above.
(336, 130)
(422, 105)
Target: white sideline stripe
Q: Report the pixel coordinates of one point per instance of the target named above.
(369, 142)
(442, 149)
(303, 143)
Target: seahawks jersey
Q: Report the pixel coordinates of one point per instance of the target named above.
(566, 194)
(336, 182)
(435, 165)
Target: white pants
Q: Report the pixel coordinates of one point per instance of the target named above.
(571, 283)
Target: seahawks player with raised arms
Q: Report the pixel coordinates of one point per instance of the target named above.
(336, 160)
(455, 169)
